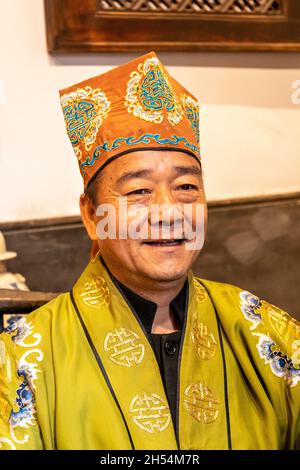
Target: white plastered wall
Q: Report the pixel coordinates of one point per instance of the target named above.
(250, 128)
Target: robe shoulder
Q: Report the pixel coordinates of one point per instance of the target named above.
(39, 320)
(266, 339)
(27, 376)
(243, 310)
(42, 330)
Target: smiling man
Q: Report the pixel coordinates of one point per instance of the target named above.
(142, 354)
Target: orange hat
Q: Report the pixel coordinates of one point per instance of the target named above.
(136, 106)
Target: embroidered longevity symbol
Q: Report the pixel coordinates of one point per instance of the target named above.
(150, 412)
(203, 340)
(124, 347)
(84, 111)
(154, 91)
(95, 292)
(150, 94)
(201, 294)
(201, 403)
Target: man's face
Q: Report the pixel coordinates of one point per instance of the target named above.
(144, 180)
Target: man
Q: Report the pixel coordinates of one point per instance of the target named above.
(141, 354)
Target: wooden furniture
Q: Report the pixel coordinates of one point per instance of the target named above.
(21, 302)
(172, 25)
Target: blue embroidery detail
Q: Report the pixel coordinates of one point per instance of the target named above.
(249, 304)
(281, 365)
(79, 119)
(24, 416)
(193, 116)
(17, 324)
(145, 139)
(155, 92)
(25, 401)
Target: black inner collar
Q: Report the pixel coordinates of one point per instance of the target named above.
(146, 309)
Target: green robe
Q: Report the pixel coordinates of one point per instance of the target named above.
(80, 373)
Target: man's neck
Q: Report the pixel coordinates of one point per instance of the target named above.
(164, 320)
(161, 293)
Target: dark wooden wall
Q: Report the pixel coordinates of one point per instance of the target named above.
(253, 244)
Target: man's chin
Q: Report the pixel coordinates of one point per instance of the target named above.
(166, 276)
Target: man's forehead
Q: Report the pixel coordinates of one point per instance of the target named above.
(153, 160)
(149, 171)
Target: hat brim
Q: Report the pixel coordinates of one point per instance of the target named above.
(7, 255)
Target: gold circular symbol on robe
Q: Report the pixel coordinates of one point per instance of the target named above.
(203, 340)
(124, 347)
(95, 292)
(150, 412)
(201, 403)
(201, 294)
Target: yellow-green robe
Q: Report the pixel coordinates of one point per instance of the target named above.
(80, 373)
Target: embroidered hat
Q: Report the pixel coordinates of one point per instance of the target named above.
(136, 106)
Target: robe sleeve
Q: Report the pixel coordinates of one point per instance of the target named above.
(284, 358)
(25, 386)
(19, 426)
(293, 404)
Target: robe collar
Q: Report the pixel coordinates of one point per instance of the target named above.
(146, 309)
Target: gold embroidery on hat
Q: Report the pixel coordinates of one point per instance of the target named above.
(191, 109)
(150, 94)
(150, 412)
(95, 292)
(201, 403)
(124, 347)
(78, 153)
(84, 111)
(201, 294)
(203, 340)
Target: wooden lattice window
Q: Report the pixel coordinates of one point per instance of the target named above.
(143, 25)
(246, 7)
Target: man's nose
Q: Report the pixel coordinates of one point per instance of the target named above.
(164, 209)
(163, 195)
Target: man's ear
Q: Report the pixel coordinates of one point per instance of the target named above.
(88, 215)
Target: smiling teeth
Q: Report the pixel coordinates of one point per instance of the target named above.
(165, 241)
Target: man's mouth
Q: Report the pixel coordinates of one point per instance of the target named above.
(169, 242)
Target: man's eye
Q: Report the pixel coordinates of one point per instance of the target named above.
(139, 191)
(187, 187)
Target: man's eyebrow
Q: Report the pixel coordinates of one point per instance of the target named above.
(188, 170)
(133, 174)
(180, 170)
